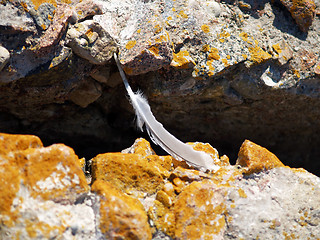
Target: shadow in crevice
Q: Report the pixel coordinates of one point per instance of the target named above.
(284, 22)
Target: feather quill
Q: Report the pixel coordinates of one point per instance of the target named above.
(160, 135)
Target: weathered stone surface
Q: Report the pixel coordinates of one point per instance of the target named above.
(44, 195)
(302, 11)
(280, 203)
(138, 173)
(38, 188)
(226, 71)
(90, 41)
(200, 212)
(4, 57)
(255, 158)
(87, 92)
(121, 216)
(88, 8)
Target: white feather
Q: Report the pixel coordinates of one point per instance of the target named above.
(160, 135)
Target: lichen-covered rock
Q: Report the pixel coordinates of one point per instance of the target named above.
(302, 11)
(44, 195)
(39, 186)
(137, 173)
(200, 212)
(121, 216)
(90, 41)
(254, 158)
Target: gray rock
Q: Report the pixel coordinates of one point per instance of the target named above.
(4, 57)
(89, 40)
(275, 204)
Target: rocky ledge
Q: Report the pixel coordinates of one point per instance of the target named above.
(213, 71)
(49, 193)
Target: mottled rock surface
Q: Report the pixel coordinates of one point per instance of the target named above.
(138, 194)
(213, 71)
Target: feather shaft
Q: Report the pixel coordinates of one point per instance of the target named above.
(160, 135)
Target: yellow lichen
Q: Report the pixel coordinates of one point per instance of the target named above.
(139, 31)
(225, 62)
(214, 54)
(277, 48)
(132, 173)
(297, 73)
(244, 36)
(257, 55)
(255, 158)
(205, 28)
(154, 50)
(120, 214)
(205, 48)
(182, 14)
(130, 44)
(182, 60)
(242, 193)
(157, 28)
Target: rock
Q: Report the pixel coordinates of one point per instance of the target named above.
(137, 194)
(138, 174)
(90, 41)
(101, 74)
(87, 92)
(225, 72)
(121, 216)
(87, 9)
(284, 52)
(39, 186)
(199, 212)
(4, 57)
(302, 12)
(256, 158)
(279, 203)
(58, 27)
(15, 19)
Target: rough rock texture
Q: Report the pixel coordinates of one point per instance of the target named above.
(44, 195)
(213, 71)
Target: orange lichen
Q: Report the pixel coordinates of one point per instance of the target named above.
(130, 44)
(205, 28)
(213, 54)
(9, 186)
(139, 31)
(154, 50)
(120, 214)
(55, 163)
(255, 158)
(257, 55)
(244, 36)
(157, 29)
(11, 142)
(182, 60)
(277, 48)
(26, 162)
(205, 48)
(182, 14)
(225, 62)
(133, 173)
(242, 193)
(296, 72)
(199, 212)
